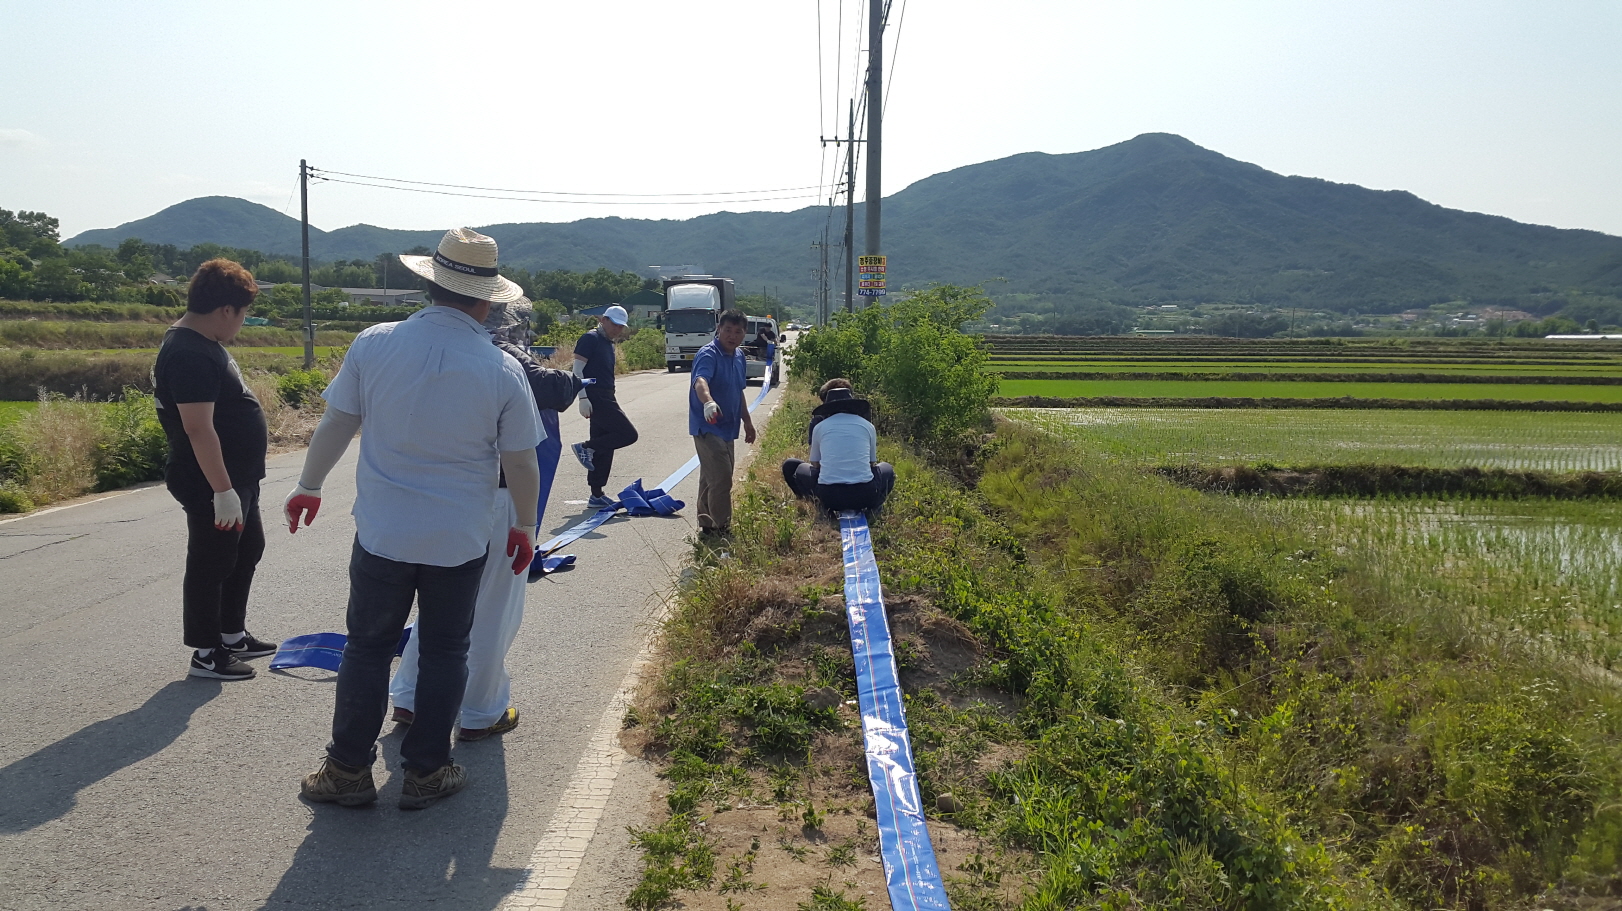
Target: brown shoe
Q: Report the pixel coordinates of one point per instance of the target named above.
(403, 716)
(507, 721)
(421, 790)
(344, 785)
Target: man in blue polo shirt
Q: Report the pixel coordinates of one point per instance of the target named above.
(715, 408)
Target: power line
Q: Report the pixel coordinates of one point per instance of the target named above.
(894, 51)
(576, 202)
(457, 186)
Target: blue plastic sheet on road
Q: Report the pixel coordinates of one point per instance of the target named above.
(323, 650)
(910, 871)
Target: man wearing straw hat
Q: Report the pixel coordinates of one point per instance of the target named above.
(446, 413)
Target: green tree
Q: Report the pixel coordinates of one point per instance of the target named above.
(55, 280)
(926, 377)
(134, 259)
(16, 282)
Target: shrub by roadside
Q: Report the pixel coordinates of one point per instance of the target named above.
(927, 380)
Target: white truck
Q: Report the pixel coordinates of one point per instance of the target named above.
(692, 305)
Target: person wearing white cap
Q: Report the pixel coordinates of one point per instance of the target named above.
(446, 414)
(594, 360)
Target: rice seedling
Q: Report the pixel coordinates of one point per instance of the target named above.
(1524, 441)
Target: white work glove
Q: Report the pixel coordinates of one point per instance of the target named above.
(585, 407)
(302, 502)
(227, 510)
(712, 412)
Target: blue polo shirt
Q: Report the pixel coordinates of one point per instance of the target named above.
(726, 377)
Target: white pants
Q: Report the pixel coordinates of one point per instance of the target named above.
(496, 617)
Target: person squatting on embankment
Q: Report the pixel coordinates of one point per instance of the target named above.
(446, 414)
(217, 444)
(716, 408)
(594, 359)
(499, 610)
(843, 471)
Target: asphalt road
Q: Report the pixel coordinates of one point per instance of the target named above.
(126, 784)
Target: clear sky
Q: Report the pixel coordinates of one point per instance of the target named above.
(113, 111)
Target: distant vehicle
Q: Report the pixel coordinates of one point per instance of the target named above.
(757, 357)
(692, 305)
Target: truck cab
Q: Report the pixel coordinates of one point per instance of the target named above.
(693, 303)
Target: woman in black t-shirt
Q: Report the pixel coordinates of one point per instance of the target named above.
(217, 444)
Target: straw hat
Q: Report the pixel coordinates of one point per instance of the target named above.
(465, 263)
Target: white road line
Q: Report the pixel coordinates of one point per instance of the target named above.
(558, 855)
(45, 512)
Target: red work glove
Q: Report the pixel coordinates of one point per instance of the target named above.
(301, 502)
(521, 547)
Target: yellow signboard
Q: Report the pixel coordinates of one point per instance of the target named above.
(870, 282)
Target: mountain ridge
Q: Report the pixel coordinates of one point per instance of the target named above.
(1157, 218)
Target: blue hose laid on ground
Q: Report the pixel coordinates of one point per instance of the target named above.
(910, 871)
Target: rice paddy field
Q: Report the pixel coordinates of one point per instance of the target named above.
(1414, 370)
(1195, 388)
(1528, 571)
(13, 411)
(1516, 440)
(1533, 571)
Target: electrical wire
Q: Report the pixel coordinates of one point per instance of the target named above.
(457, 186)
(321, 176)
(895, 51)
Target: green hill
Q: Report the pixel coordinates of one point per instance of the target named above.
(1154, 219)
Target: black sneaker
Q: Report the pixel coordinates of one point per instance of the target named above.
(250, 647)
(219, 665)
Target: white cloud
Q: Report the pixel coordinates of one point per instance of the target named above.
(16, 139)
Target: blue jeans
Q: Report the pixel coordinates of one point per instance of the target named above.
(380, 596)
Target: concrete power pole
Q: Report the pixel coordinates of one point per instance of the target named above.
(850, 211)
(875, 120)
(304, 229)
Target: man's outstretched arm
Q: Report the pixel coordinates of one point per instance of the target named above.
(327, 446)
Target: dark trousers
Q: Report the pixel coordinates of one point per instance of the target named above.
(380, 596)
(610, 430)
(801, 477)
(219, 570)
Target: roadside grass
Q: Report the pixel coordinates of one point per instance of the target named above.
(1307, 390)
(1071, 777)
(1154, 437)
(1453, 765)
(60, 447)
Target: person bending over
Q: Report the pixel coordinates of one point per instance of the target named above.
(217, 443)
(844, 471)
(610, 429)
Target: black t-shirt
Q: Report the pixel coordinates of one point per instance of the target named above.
(598, 352)
(193, 368)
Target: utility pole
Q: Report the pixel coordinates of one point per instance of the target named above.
(875, 118)
(304, 229)
(850, 211)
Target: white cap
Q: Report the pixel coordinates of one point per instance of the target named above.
(616, 315)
